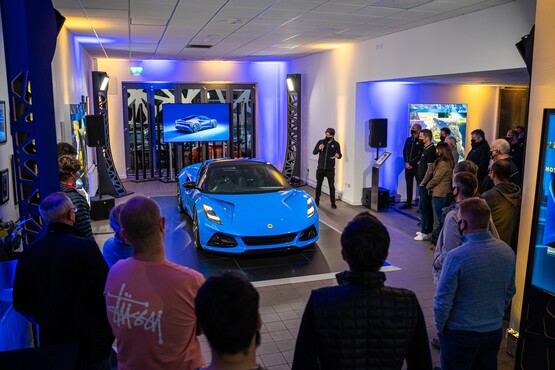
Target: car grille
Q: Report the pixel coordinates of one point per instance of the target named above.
(267, 240)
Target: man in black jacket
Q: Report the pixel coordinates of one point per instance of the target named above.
(424, 174)
(328, 151)
(411, 155)
(59, 284)
(479, 154)
(361, 323)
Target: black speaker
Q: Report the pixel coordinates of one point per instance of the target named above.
(383, 197)
(96, 134)
(378, 133)
(101, 207)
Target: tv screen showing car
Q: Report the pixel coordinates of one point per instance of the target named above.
(437, 116)
(196, 122)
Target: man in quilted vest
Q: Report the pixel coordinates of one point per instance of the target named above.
(361, 323)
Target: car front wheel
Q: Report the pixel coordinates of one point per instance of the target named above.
(196, 127)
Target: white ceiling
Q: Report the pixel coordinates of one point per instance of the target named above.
(245, 29)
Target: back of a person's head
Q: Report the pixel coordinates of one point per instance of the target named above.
(66, 149)
(476, 213)
(365, 243)
(68, 165)
(227, 311)
(55, 207)
(452, 141)
(115, 215)
(502, 145)
(140, 217)
(466, 182)
(466, 166)
(502, 170)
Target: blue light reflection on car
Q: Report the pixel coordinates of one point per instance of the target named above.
(244, 205)
(195, 123)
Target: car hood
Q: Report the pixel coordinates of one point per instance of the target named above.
(256, 214)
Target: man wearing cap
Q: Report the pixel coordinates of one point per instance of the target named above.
(328, 151)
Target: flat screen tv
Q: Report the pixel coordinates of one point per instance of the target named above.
(436, 116)
(543, 222)
(3, 133)
(196, 122)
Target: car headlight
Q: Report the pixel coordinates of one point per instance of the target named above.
(210, 214)
(311, 210)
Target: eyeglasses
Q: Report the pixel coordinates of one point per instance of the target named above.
(413, 132)
(74, 209)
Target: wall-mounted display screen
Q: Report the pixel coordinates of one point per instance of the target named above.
(436, 116)
(3, 133)
(543, 232)
(196, 122)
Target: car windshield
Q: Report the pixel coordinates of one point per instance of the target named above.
(244, 178)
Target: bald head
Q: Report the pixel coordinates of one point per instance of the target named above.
(142, 222)
(502, 145)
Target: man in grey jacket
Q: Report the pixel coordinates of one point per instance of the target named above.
(504, 201)
(476, 284)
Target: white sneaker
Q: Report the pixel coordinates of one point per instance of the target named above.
(422, 237)
(418, 233)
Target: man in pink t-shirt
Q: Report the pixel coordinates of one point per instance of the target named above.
(151, 301)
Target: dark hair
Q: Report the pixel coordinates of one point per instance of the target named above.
(521, 128)
(365, 243)
(331, 131)
(446, 130)
(466, 166)
(476, 212)
(502, 169)
(467, 183)
(427, 132)
(67, 165)
(227, 311)
(66, 149)
(479, 132)
(444, 154)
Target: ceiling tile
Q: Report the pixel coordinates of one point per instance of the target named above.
(338, 8)
(376, 11)
(401, 4)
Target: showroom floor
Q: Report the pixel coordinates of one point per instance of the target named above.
(285, 282)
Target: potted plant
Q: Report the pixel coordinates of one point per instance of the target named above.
(10, 247)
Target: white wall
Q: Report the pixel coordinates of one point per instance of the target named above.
(71, 78)
(270, 94)
(474, 42)
(8, 210)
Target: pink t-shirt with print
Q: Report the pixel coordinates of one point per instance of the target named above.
(151, 308)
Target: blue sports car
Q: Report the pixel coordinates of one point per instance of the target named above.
(195, 123)
(240, 205)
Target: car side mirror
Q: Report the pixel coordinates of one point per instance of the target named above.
(190, 185)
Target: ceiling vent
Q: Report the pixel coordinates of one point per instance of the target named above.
(198, 46)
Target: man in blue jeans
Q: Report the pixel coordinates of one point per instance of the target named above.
(476, 284)
(424, 174)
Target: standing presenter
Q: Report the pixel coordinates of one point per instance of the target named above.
(328, 150)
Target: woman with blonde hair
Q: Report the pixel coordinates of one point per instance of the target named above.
(440, 184)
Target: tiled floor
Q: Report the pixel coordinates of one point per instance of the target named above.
(282, 304)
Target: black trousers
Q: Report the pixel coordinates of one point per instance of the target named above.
(320, 175)
(410, 175)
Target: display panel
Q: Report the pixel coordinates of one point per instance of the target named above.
(3, 133)
(436, 116)
(543, 232)
(196, 122)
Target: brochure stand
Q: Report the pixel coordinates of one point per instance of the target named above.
(378, 193)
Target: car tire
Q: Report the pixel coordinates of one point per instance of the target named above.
(214, 124)
(196, 236)
(196, 127)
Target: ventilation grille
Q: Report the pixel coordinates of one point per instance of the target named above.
(197, 46)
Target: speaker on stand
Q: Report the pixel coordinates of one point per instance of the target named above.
(101, 205)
